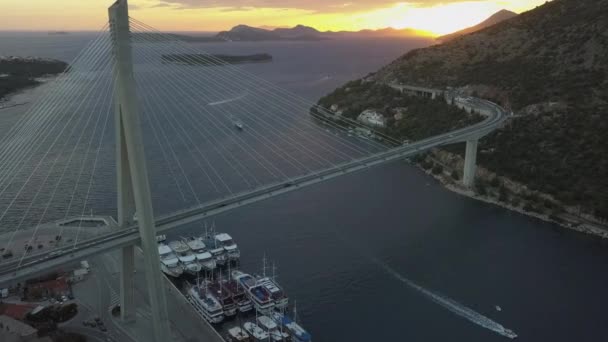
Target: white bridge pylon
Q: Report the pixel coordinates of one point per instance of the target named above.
(133, 185)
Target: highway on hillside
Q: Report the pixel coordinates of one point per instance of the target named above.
(36, 264)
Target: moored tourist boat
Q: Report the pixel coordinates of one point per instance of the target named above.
(269, 325)
(258, 294)
(255, 331)
(292, 327)
(206, 304)
(243, 302)
(186, 257)
(225, 241)
(224, 297)
(204, 258)
(237, 334)
(169, 263)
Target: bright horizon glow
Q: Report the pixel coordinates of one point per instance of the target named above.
(430, 20)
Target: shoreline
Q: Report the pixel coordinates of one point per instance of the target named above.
(448, 184)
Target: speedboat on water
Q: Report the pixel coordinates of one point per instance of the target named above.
(254, 330)
(510, 334)
(186, 257)
(239, 125)
(169, 263)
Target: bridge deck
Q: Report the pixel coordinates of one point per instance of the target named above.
(12, 272)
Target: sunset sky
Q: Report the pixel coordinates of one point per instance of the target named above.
(432, 16)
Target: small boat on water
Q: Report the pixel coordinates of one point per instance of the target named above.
(169, 263)
(186, 257)
(206, 304)
(239, 124)
(254, 330)
(237, 334)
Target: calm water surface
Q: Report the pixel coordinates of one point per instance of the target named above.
(550, 283)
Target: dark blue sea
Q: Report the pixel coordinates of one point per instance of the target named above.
(348, 250)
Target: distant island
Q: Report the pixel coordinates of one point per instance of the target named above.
(306, 33)
(244, 33)
(207, 59)
(17, 73)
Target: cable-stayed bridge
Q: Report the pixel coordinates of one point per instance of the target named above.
(145, 123)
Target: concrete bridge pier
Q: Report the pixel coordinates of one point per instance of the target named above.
(470, 163)
(133, 184)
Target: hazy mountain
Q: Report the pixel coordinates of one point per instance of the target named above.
(549, 66)
(301, 32)
(496, 18)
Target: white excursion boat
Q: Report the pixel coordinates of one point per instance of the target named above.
(206, 304)
(225, 241)
(258, 333)
(186, 257)
(258, 294)
(236, 334)
(204, 258)
(169, 263)
(268, 325)
(281, 301)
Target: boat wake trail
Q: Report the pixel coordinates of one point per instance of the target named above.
(228, 100)
(451, 305)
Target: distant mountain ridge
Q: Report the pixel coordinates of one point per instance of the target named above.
(496, 18)
(301, 32)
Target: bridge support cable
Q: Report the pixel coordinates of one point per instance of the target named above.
(277, 92)
(42, 108)
(43, 162)
(194, 93)
(100, 124)
(210, 139)
(279, 132)
(238, 80)
(42, 118)
(262, 137)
